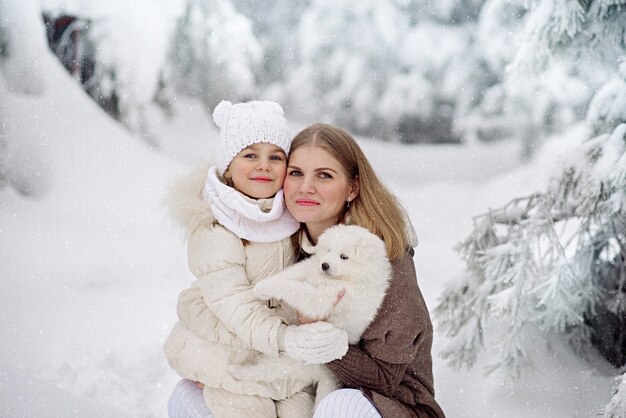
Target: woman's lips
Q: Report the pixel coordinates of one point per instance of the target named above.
(306, 202)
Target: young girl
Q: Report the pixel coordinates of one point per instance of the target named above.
(238, 233)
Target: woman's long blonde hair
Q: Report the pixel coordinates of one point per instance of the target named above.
(376, 207)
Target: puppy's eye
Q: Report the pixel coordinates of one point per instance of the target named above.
(343, 257)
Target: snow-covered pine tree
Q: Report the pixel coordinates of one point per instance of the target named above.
(354, 41)
(545, 82)
(275, 25)
(391, 69)
(213, 54)
(617, 406)
(554, 261)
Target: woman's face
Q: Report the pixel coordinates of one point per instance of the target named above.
(316, 188)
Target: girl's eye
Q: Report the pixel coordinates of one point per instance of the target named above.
(276, 158)
(249, 155)
(295, 173)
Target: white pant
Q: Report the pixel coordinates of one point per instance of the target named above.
(346, 403)
(186, 401)
(189, 401)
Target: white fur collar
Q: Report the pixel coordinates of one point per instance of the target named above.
(246, 217)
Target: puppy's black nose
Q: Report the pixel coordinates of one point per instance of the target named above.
(325, 266)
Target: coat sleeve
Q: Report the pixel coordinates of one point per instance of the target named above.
(397, 340)
(198, 359)
(217, 258)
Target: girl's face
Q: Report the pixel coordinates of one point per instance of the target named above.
(258, 171)
(316, 188)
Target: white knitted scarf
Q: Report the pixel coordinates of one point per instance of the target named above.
(245, 216)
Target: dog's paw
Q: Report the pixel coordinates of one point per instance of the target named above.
(264, 290)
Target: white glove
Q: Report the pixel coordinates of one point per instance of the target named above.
(315, 343)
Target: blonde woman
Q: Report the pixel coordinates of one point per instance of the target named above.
(389, 372)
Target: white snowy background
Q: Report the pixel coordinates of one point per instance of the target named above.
(91, 265)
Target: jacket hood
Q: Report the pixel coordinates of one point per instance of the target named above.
(185, 202)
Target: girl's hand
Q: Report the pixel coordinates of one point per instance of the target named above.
(305, 320)
(316, 343)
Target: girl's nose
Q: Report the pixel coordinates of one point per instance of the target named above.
(263, 164)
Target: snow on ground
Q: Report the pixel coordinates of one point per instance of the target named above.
(92, 267)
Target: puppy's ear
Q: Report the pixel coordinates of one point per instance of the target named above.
(367, 247)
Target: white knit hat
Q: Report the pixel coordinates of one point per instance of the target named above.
(244, 124)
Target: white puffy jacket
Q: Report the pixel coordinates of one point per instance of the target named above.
(219, 320)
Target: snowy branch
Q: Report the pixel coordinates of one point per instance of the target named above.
(552, 261)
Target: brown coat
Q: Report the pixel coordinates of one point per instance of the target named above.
(392, 364)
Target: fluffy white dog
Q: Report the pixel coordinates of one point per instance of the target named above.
(346, 258)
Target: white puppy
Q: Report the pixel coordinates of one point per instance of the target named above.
(346, 257)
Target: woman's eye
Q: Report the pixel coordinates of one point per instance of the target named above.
(295, 173)
(325, 175)
(343, 257)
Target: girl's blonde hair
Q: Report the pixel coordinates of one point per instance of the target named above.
(376, 207)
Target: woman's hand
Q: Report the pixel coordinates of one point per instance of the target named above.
(305, 320)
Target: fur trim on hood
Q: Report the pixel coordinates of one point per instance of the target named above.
(186, 203)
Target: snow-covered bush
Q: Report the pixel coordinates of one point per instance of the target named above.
(126, 50)
(20, 53)
(22, 42)
(157, 49)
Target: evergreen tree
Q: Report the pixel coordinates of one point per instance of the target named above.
(554, 261)
(345, 52)
(617, 405)
(530, 98)
(213, 54)
(275, 25)
(390, 69)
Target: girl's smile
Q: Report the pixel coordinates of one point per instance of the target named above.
(258, 171)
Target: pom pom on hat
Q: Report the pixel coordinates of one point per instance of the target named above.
(220, 113)
(244, 124)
